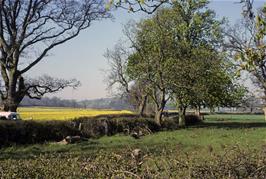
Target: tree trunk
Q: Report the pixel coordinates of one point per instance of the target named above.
(142, 106)
(10, 104)
(158, 116)
(264, 109)
(159, 112)
(159, 107)
(251, 109)
(198, 113)
(181, 116)
(12, 98)
(212, 110)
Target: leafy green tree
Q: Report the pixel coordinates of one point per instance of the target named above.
(196, 57)
(150, 61)
(177, 54)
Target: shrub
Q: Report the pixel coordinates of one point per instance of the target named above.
(110, 125)
(30, 132)
(192, 119)
(170, 123)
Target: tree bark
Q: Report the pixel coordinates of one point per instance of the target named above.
(158, 116)
(159, 111)
(10, 105)
(181, 116)
(198, 113)
(142, 106)
(14, 91)
(264, 109)
(212, 110)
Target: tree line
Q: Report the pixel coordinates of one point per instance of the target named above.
(103, 103)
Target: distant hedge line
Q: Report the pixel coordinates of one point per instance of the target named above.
(31, 132)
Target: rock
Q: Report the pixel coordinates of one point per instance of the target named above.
(136, 154)
(135, 135)
(137, 157)
(72, 139)
(126, 131)
(63, 142)
(139, 132)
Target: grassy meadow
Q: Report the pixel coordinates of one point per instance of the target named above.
(42, 113)
(235, 117)
(224, 142)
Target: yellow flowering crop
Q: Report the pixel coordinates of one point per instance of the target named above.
(43, 113)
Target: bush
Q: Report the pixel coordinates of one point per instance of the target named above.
(170, 123)
(192, 120)
(30, 132)
(110, 125)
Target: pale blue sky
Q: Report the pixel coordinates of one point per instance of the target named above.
(82, 58)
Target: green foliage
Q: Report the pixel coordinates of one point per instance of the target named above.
(201, 76)
(177, 54)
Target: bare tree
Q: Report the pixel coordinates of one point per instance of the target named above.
(117, 60)
(29, 29)
(36, 88)
(146, 6)
(248, 8)
(118, 78)
(138, 96)
(150, 6)
(246, 40)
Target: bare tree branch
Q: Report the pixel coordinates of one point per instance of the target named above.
(36, 88)
(34, 28)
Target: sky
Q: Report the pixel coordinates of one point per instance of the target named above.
(82, 58)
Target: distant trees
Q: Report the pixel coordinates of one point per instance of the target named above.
(29, 29)
(104, 103)
(176, 53)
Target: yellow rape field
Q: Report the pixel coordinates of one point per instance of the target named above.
(43, 113)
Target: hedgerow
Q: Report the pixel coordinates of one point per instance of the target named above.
(31, 132)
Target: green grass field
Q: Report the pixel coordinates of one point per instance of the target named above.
(235, 117)
(202, 142)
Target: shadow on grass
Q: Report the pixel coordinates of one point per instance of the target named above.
(230, 125)
(24, 152)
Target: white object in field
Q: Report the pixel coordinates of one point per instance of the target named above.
(10, 116)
